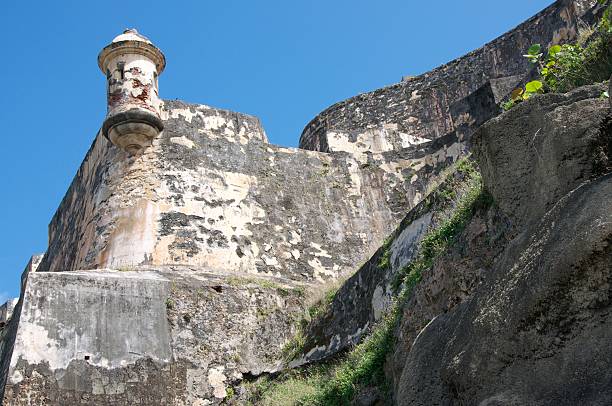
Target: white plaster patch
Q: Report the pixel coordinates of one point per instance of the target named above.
(15, 377)
(294, 237)
(183, 141)
(417, 198)
(187, 114)
(321, 252)
(319, 269)
(216, 379)
(380, 302)
(372, 140)
(409, 140)
(34, 345)
(270, 261)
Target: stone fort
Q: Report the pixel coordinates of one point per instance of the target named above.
(187, 243)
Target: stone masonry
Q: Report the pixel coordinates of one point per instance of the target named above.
(177, 267)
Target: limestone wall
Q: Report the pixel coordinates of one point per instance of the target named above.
(212, 192)
(429, 106)
(231, 236)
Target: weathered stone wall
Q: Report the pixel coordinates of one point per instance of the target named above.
(218, 238)
(426, 107)
(155, 336)
(211, 192)
(6, 310)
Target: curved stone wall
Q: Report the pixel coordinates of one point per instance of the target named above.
(426, 107)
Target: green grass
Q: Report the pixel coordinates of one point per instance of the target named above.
(295, 347)
(289, 388)
(320, 307)
(361, 367)
(385, 259)
(337, 382)
(440, 238)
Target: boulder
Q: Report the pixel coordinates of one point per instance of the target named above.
(538, 328)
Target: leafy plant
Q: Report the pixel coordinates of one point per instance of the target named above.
(534, 54)
(572, 65)
(565, 67)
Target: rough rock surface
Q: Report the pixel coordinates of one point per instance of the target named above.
(542, 150)
(536, 329)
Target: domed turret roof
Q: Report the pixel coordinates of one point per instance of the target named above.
(131, 34)
(131, 41)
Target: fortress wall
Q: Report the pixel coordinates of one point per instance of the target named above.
(108, 190)
(423, 108)
(231, 238)
(212, 193)
(155, 336)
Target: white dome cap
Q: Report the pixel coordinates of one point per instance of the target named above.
(131, 42)
(131, 34)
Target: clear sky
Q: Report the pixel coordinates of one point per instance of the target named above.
(283, 61)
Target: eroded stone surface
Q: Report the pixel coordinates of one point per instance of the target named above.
(211, 192)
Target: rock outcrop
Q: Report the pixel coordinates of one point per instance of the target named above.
(537, 328)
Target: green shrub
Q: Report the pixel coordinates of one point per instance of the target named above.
(568, 66)
(585, 62)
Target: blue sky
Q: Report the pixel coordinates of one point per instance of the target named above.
(283, 61)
